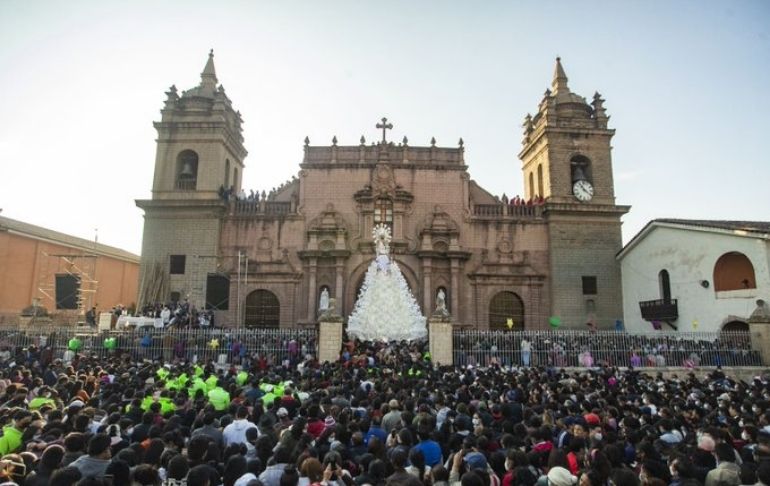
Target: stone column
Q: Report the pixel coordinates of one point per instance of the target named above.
(759, 328)
(454, 297)
(329, 334)
(427, 294)
(311, 291)
(440, 340)
(329, 340)
(338, 290)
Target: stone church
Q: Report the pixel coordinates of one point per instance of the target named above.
(263, 260)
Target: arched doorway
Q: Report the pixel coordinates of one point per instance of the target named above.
(503, 306)
(736, 326)
(262, 309)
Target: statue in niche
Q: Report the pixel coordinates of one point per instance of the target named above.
(323, 304)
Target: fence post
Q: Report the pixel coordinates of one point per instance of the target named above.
(759, 328)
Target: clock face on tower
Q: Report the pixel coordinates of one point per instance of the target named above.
(583, 190)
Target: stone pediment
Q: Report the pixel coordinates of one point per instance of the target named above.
(327, 234)
(328, 220)
(439, 234)
(504, 264)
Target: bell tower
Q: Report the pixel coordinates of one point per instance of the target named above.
(199, 156)
(566, 160)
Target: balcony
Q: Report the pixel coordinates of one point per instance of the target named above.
(507, 211)
(665, 310)
(186, 184)
(261, 208)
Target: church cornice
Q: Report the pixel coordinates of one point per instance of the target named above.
(537, 136)
(555, 208)
(369, 165)
(307, 254)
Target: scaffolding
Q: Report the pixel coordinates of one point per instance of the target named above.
(80, 266)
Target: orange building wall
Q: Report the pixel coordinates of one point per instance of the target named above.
(24, 268)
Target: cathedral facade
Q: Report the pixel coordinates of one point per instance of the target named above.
(264, 260)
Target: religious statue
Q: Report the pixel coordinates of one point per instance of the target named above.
(441, 301)
(441, 311)
(323, 304)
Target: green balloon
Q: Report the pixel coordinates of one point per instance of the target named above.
(554, 321)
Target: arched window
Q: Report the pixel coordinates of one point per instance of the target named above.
(531, 185)
(227, 173)
(734, 271)
(262, 309)
(665, 285)
(236, 184)
(504, 306)
(580, 169)
(383, 212)
(186, 170)
(540, 180)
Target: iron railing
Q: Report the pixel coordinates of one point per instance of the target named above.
(612, 348)
(659, 310)
(224, 346)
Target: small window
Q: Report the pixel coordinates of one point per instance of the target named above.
(177, 264)
(67, 291)
(383, 212)
(540, 180)
(589, 286)
(532, 185)
(664, 282)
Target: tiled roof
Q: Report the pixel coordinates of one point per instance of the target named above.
(65, 239)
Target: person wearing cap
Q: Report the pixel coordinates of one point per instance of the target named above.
(393, 417)
(558, 476)
(235, 433)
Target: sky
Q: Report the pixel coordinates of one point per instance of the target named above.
(686, 85)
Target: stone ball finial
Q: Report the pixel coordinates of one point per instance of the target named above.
(761, 314)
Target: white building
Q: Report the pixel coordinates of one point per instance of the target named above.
(695, 275)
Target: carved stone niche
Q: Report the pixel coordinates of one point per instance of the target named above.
(439, 233)
(328, 234)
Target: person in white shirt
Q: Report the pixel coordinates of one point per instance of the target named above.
(235, 433)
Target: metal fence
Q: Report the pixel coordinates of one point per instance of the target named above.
(276, 346)
(611, 348)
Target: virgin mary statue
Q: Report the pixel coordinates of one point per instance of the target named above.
(386, 309)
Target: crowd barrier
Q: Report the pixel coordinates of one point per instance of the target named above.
(222, 345)
(613, 348)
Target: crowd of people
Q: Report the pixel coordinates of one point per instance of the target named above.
(180, 314)
(383, 414)
(581, 349)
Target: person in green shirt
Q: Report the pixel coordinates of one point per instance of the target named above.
(197, 384)
(11, 439)
(219, 398)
